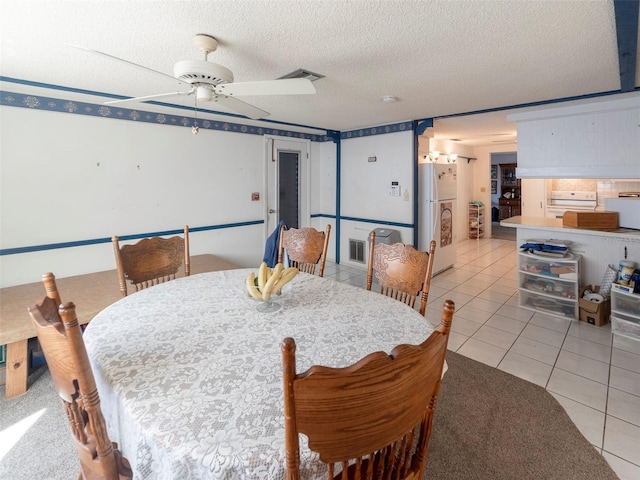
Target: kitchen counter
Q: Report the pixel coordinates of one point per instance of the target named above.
(598, 248)
(547, 224)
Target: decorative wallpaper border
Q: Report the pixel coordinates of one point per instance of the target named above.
(38, 102)
(379, 130)
(51, 104)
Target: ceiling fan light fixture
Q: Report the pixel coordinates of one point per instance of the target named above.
(203, 93)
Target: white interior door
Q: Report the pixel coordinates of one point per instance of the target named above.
(286, 183)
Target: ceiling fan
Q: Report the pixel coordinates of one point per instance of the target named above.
(210, 82)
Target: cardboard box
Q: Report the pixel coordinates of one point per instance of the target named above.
(592, 312)
(594, 220)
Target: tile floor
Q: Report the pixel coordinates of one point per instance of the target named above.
(595, 377)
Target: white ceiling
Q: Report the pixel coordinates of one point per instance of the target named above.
(437, 57)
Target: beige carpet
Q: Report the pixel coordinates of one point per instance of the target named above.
(489, 425)
(492, 425)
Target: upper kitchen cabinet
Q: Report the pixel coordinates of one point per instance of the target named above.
(598, 139)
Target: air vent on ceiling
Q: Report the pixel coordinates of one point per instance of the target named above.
(301, 73)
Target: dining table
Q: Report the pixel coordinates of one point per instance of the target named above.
(189, 372)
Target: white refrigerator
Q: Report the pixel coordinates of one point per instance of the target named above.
(438, 189)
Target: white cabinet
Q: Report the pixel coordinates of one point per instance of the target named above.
(549, 285)
(534, 197)
(595, 139)
(476, 220)
(625, 313)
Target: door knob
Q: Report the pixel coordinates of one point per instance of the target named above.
(271, 210)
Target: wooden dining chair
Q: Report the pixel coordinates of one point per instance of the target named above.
(402, 271)
(372, 419)
(61, 339)
(151, 261)
(306, 248)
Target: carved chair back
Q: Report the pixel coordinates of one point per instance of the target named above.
(151, 261)
(61, 339)
(371, 420)
(306, 248)
(402, 272)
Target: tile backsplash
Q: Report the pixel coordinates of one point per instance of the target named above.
(611, 188)
(605, 188)
(574, 184)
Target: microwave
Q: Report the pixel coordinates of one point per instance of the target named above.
(628, 211)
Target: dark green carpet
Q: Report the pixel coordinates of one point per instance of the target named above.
(492, 425)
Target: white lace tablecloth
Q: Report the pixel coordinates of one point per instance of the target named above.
(189, 373)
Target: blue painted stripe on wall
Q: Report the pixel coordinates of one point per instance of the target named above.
(338, 188)
(37, 102)
(380, 130)
(419, 129)
(322, 215)
(94, 241)
(381, 222)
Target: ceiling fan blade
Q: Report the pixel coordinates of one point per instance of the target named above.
(240, 107)
(148, 97)
(122, 60)
(285, 86)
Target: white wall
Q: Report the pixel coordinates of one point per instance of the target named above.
(68, 178)
(323, 187)
(365, 186)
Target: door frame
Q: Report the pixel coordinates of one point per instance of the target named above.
(272, 144)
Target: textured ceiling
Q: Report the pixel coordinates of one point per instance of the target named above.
(437, 57)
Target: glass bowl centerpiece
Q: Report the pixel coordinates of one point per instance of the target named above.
(267, 283)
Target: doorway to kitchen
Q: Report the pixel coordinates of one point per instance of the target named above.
(505, 193)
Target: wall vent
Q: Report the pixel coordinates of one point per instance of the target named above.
(356, 250)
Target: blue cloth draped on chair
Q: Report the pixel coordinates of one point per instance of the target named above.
(272, 245)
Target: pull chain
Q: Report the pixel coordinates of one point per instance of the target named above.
(195, 129)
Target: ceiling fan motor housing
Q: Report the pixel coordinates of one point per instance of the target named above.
(201, 71)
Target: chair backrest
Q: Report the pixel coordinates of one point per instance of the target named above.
(306, 247)
(402, 271)
(151, 261)
(372, 419)
(61, 339)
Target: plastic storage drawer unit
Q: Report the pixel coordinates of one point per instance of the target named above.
(625, 313)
